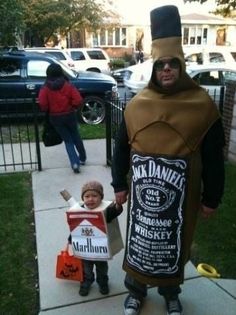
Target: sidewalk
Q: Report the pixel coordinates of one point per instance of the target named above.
(200, 296)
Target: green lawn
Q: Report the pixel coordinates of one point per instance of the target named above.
(18, 276)
(92, 131)
(24, 133)
(215, 242)
(215, 238)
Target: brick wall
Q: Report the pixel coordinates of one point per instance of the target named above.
(229, 121)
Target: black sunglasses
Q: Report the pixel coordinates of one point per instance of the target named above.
(173, 63)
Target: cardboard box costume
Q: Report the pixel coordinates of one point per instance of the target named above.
(91, 237)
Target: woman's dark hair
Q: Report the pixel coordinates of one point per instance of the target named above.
(54, 71)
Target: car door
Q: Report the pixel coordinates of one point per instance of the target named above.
(212, 81)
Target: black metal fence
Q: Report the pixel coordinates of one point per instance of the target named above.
(19, 139)
(19, 134)
(114, 115)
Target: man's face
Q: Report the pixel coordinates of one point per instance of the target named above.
(167, 71)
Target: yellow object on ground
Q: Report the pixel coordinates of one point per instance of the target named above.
(207, 271)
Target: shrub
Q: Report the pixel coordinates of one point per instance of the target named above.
(117, 63)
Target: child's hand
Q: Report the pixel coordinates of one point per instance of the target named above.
(118, 207)
(121, 196)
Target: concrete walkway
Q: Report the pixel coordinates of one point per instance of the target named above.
(200, 296)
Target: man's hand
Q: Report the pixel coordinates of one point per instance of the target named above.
(207, 212)
(121, 197)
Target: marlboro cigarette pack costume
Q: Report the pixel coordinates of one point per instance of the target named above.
(167, 142)
(92, 239)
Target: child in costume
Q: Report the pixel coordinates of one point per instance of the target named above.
(92, 196)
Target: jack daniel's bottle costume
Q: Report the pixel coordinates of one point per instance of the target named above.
(165, 132)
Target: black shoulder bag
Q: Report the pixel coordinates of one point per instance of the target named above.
(50, 136)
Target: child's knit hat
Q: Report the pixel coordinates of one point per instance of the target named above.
(92, 185)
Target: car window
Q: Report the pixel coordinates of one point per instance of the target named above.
(216, 77)
(9, 68)
(77, 55)
(196, 58)
(216, 57)
(230, 75)
(209, 78)
(37, 68)
(59, 55)
(96, 54)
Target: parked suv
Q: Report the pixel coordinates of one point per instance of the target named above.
(22, 74)
(55, 52)
(90, 59)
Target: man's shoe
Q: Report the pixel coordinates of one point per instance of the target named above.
(104, 289)
(174, 306)
(132, 305)
(82, 162)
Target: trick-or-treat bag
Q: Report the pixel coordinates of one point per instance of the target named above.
(69, 267)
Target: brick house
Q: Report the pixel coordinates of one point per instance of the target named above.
(126, 38)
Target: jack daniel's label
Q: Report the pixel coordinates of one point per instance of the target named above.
(158, 188)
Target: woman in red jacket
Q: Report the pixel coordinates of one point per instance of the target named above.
(60, 98)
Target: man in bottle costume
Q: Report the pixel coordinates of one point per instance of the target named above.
(168, 160)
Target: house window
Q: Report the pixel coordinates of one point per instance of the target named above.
(194, 35)
(186, 36)
(117, 36)
(95, 40)
(123, 37)
(139, 39)
(199, 36)
(102, 39)
(205, 35)
(110, 37)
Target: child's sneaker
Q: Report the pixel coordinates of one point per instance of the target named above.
(174, 306)
(104, 289)
(132, 305)
(84, 290)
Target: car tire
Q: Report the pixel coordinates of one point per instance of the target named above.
(93, 110)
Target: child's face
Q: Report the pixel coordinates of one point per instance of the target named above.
(92, 199)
